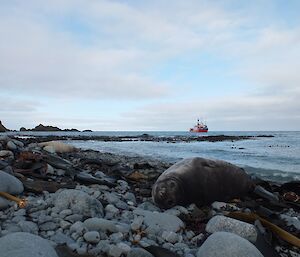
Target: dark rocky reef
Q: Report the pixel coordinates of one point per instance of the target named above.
(41, 127)
(2, 128)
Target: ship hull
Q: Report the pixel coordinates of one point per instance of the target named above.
(199, 130)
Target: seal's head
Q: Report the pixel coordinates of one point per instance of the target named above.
(167, 193)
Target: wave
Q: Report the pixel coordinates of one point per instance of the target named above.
(272, 174)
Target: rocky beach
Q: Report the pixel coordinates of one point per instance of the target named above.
(61, 201)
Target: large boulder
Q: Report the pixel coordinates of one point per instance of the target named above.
(21, 244)
(79, 202)
(221, 223)
(224, 244)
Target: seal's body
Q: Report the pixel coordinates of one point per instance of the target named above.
(200, 181)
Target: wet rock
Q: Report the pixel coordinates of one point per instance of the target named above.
(79, 202)
(291, 221)
(6, 153)
(23, 244)
(3, 164)
(158, 222)
(225, 224)
(224, 244)
(92, 237)
(11, 146)
(139, 252)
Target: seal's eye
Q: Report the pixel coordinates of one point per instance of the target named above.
(172, 184)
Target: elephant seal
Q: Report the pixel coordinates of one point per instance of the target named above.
(200, 181)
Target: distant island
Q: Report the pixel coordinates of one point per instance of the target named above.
(42, 127)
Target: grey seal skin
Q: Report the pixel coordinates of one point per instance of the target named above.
(200, 181)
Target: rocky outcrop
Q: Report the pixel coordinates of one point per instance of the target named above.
(42, 127)
(2, 128)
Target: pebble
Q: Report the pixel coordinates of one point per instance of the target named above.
(92, 237)
(240, 228)
(171, 237)
(225, 244)
(23, 244)
(48, 226)
(28, 226)
(139, 252)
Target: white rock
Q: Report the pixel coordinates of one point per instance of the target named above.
(23, 244)
(225, 224)
(137, 223)
(79, 202)
(10, 184)
(291, 221)
(92, 237)
(57, 147)
(224, 244)
(158, 222)
(170, 237)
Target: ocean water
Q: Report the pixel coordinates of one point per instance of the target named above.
(274, 158)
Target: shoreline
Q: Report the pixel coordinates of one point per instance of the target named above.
(119, 187)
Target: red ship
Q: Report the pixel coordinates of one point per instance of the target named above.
(200, 127)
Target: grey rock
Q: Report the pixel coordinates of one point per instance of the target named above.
(240, 228)
(148, 206)
(130, 197)
(48, 226)
(23, 244)
(78, 227)
(10, 184)
(65, 213)
(11, 146)
(137, 223)
(291, 221)
(79, 202)
(171, 237)
(74, 218)
(100, 224)
(158, 222)
(18, 143)
(61, 238)
(64, 224)
(139, 252)
(28, 226)
(224, 244)
(6, 153)
(92, 237)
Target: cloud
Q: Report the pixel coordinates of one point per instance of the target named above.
(99, 51)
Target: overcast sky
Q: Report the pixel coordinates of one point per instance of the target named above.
(150, 65)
